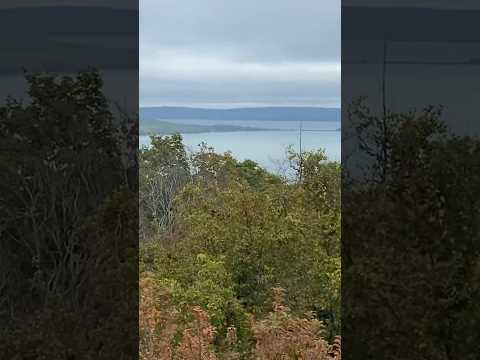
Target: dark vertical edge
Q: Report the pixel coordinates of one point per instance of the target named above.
(411, 186)
(69, 184)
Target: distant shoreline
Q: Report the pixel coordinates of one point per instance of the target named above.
(306, 114)
(161, 127)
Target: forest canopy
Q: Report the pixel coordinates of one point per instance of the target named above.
(249, 257)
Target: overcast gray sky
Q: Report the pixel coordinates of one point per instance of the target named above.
(226, 53)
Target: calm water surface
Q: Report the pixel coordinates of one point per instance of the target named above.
(266, 147)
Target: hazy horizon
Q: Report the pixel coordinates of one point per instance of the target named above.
(246, 106)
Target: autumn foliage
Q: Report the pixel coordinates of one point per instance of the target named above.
(280, 335)
(236, 262)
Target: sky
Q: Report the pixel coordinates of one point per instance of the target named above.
(219, 53)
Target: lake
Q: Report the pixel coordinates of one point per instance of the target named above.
(267, 147)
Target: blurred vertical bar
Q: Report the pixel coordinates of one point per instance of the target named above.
(411, 184)
(69, 179)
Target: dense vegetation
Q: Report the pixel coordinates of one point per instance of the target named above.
(69, 223)
(235, 262)
(410, 240)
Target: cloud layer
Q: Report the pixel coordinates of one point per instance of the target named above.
(231, 53)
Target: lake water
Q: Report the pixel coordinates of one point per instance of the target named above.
(266, 147)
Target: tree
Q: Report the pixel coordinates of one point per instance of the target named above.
(62, 158)
(164, 170)
(238, 232)
(410, 246)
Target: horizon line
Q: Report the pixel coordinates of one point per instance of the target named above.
(242, 107)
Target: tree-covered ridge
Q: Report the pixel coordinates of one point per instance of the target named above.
(277, 113)
(159, 127)
(219, 236)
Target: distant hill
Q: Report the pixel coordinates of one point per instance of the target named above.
(148, 127)
(264, 113)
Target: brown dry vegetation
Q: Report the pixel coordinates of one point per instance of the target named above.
(280, 335)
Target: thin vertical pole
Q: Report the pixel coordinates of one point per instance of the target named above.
(384, 117)
(301, 150)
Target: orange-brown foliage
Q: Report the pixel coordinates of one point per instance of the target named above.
(159, 323)
(279, 336)
(198, 338)
(283, 336)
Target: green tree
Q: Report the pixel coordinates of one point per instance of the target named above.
(61, 156)
(410, 247)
